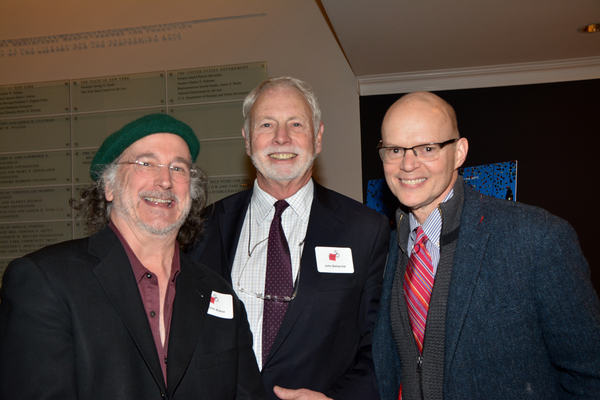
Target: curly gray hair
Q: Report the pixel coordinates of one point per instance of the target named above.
(96, 209)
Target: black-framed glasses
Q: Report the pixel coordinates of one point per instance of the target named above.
(148, 167)
(264, 296)
(424, 152)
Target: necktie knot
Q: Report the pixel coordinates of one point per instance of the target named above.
(421, 238)
(280, 206)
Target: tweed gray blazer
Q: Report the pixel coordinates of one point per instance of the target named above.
(522, 318)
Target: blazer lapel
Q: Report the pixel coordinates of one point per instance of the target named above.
(231, 220)
(323, 229)
(468, 260)
(116, 277)
(189, 314)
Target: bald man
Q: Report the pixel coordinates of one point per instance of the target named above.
(483, 298)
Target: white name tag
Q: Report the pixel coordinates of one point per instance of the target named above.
(221, 305)
(334, 260)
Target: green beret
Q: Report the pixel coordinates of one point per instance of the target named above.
(116, 143)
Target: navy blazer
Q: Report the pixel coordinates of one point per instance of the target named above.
(73, 326)
(522, 320)
(324, 343)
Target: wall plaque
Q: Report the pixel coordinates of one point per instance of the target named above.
(212, 121)
(52, 132)
(227, 82)
(34, 99)
(224, 157)
(29, 169)
(219, 188)
(114, 92)
(21, 239)
(90, 130)
(31, 204)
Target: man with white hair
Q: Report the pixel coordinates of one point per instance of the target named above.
(306, 261)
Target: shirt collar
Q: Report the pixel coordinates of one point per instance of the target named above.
(432, 225)
(301, 202)
(139, 271)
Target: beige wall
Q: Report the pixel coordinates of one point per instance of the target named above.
(293, 38)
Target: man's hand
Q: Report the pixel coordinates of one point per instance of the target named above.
(298, 394)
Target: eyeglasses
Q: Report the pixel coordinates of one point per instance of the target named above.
(424, 152)
(181, 171)
(271, 297)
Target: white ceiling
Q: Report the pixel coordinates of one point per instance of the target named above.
(383, 37)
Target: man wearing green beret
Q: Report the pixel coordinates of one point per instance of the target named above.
(124, 314)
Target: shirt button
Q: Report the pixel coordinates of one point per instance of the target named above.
(148, 276)
(152, 314)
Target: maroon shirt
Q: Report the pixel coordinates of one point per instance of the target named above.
(147, 284)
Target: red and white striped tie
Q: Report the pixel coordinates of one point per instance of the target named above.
(418, 282)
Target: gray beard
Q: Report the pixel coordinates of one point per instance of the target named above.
(125, 211)
(271, 173)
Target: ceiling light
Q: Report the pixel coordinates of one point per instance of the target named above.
(591, 28)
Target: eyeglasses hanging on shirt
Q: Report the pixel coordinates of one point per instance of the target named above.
(249, 268)
(262, 245)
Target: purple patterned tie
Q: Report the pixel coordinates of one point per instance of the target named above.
(278, 280)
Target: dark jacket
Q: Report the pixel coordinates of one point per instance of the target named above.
(324, 343)
(73, 326)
